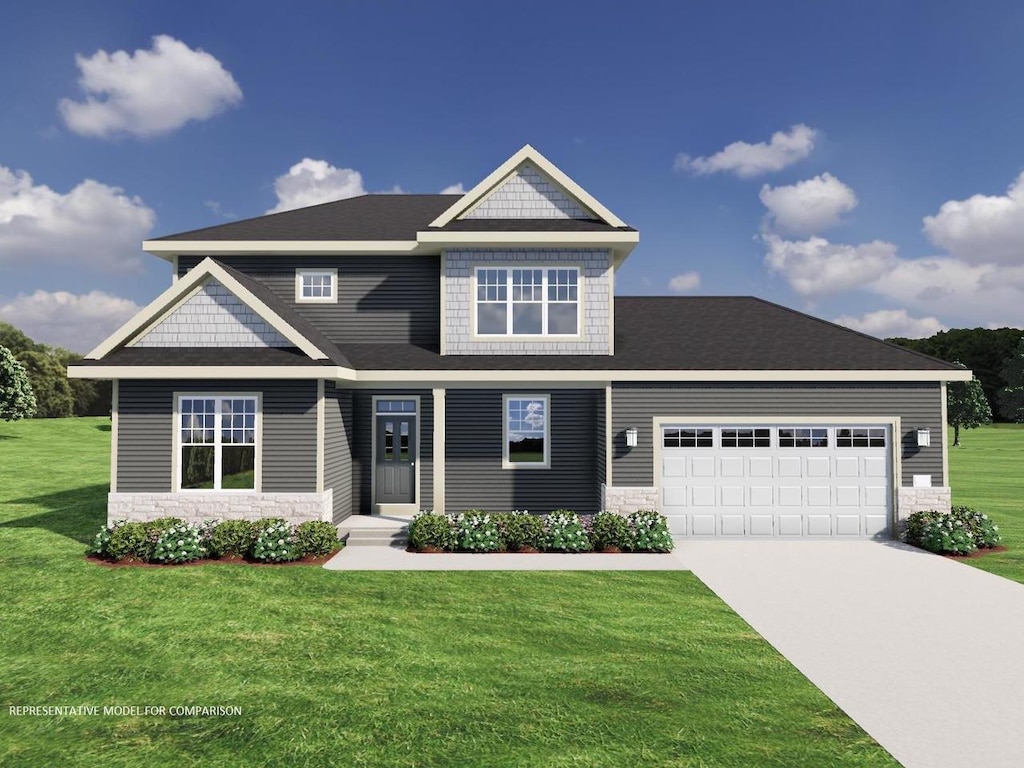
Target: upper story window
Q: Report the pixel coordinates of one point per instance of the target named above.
(527, 302)
(316, 286)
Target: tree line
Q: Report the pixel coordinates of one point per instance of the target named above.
(45, 367)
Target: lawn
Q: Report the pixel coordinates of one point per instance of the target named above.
(987, 472)
(370, 669)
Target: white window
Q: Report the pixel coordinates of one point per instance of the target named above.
(687, 437)
(803, 437)
(746, 437)
(527, 302)
(316, 286)
(525, 432)
(860, 437)
(217, 448)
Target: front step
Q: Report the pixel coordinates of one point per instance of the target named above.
(374, 531)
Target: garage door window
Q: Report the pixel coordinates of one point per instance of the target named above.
(698, 437)
(746, 438)
(860, 437)
(803, 437)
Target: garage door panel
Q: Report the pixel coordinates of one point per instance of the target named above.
(704, 496)
(819, 525)
(703, 525)
(875, 466)
(790, 466)
(732, 525)
(761, 496)
(730, 466)
(818, 466)
(674, 467)
(847, 495)
(875, 496)
(818, 495)
(702, 466)
(847, 466)
(875, 525)
(676, 524)
(732, 495)
(790, 496)
(762, 525)
(791, 525)
(847, 525)
(674, 497)
(759, 466)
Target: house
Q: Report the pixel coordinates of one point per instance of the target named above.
(391, 353)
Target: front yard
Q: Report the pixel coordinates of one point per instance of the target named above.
(368, 669)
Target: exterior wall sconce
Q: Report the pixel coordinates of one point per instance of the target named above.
(924, 437)
(631, 437)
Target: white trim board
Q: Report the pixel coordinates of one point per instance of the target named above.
(329, 372)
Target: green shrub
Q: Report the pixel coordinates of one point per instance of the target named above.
(178, 544)
(608, 529)
(316, 537)
(130, 540)
(649, 532)
(564, 532)
(429, 530)
(520, 530)
(232, 537)
(101, 542)
(961, 531)
(161, 524)
(275, 542)
(477, 531)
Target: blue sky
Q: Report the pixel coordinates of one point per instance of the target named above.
(879, 179)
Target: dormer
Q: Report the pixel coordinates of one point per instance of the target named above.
(528, 264)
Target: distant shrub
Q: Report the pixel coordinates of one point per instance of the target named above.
(428, 530)
(961, 531)
(178, 544)
(477, 531)
(520, 530)
(316, 537)
(649, 532)
(232, 537)
(275, 542)
(608, 529)
(564, 532)
(130, 540)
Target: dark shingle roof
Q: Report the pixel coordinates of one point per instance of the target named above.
(686, 333)
(369, 217)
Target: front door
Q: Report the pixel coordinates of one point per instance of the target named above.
(395, 457)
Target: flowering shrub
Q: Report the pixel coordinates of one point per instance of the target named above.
(563, 532)
(430, 530)
(519, 530)
(275, 542)
(477, 531)
(961, 531)
(178, 544)
(130, 540)
(232, 537)
(649, 532)
(608, 529)
(316, 537)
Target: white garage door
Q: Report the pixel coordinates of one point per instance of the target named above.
(784, 480)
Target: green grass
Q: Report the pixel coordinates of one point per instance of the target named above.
(370, 669)
(987, 472)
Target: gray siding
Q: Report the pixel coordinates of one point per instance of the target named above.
(145, 436)
(381, 299)
(338, 432)
(474, 477)
(362, 452)
(600, 436)
(635, 405)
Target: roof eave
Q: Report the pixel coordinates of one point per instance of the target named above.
(168, 249)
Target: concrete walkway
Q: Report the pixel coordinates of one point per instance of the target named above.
(397, 559)
(925, 653)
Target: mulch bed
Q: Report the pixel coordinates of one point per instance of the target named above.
(977, 553)
(230, 560)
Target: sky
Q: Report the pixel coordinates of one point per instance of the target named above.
(863, 162)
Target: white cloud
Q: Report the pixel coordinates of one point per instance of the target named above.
(149, 92)
(454, 189)
(815, 266)
(92, 225)
(982, 228)
(76, 322)
(687, 281)
(310, 182)
(808, 207)
(886, 323)
(748, 160)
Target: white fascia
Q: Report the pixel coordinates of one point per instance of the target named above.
(526, 155)
(600, 377)
(328, 372)
(168, 249)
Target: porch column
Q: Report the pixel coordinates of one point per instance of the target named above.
(439, 423)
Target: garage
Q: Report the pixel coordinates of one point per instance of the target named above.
(776, 480)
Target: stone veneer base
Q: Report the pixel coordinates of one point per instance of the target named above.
(626, 499)
(910, 500)
(199, 505)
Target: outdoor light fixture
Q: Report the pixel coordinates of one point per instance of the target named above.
(631, 435)
(924, 437)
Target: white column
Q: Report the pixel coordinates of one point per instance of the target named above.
(439, 424)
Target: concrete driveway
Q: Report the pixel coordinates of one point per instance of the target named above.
(925, 653)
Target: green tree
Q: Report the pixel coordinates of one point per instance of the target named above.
(1011, 396)
(16, 341)
(48, 376)
(966, 406)
(16, 398)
